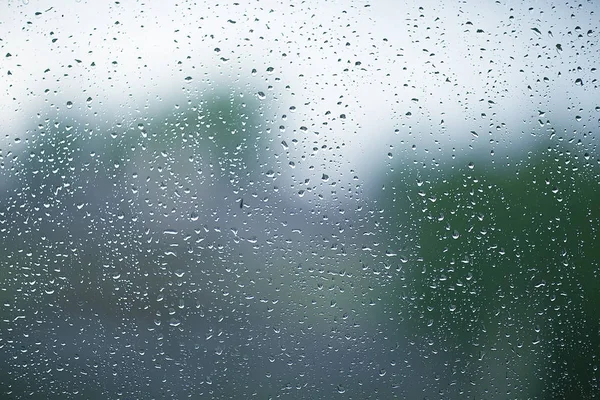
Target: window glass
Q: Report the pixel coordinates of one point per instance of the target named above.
(299, 199)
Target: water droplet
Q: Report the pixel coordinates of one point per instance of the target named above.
(179, 273)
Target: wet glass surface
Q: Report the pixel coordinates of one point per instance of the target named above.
(299, 200)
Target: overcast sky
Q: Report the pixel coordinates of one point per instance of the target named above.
(420, 80)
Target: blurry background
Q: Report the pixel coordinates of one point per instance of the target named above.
(299, 200)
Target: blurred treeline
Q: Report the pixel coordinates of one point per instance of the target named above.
(125, 222)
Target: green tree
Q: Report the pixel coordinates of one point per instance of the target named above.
(508, 260)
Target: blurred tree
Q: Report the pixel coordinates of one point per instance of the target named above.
(80, 222)
(508, 260)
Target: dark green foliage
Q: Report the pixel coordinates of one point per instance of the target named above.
(512, 256)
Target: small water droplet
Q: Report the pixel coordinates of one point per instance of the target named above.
(179, 273)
